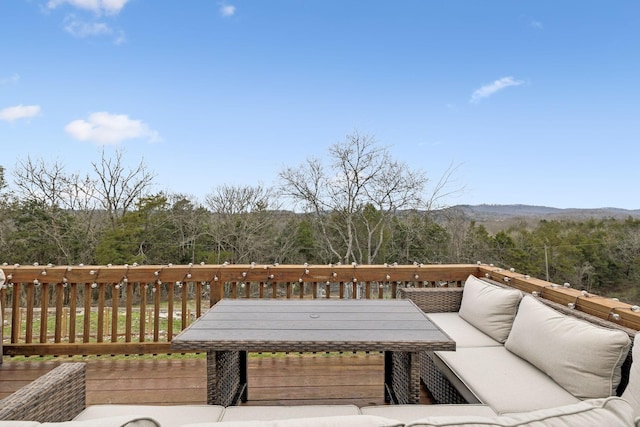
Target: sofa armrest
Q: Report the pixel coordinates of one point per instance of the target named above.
(434, 300)
(58, 395)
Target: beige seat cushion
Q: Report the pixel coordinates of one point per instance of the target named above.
(462, 332)
(7, 423)
(267, 413)
(489, 308)
(113, 421)
(167, 416)
(502, 380)
(611, 412)
(408, 413)
(583, 358)
(337, 421)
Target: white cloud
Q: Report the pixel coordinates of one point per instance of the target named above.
(227, 10)
(10, 114)
(110, 7)
(81, 29)
(491, 88)
(109, 129)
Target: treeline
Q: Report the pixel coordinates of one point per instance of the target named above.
(370, 211)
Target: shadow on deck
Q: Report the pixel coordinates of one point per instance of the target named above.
(281, 380)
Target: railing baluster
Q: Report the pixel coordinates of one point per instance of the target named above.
(170, 312)
(59, 290)
(44, 311)
(100, 330)
(29, 320)
(73, 306)
(3, 315)
(143, 311)
(198, 297)
(128, 311)
(216, 292)
(115, 304)
(16, 323)
(183, 307)
(156, 311)
(86, 330)
(234, 290)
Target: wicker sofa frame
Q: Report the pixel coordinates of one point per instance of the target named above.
(441, 300)
(58, 395)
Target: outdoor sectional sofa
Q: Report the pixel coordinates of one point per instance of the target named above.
(518, 353)
(518, 362)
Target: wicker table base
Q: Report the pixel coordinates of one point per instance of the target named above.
(227, 377)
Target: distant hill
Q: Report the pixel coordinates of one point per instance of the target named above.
(511, 211)
(498, 217)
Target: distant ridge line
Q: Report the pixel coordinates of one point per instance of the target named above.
(485, 211)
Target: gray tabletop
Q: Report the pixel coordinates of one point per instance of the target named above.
(313, 325)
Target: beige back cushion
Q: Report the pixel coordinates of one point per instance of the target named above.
(489, 308)
(583, 358)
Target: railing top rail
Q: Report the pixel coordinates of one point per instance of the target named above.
(236, 272)
(610, 309)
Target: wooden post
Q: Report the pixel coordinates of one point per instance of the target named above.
(216, 292)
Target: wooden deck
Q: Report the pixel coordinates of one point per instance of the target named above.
(282, 380)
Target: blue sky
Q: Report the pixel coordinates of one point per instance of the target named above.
(533, 102)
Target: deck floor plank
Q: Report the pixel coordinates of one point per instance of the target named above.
(273, 380)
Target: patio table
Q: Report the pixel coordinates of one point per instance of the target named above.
(232, 328)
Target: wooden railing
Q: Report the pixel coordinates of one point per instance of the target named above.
(138, 309)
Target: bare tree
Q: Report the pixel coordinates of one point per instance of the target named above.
(117, 188)
(230, 199)
(356, 196)
(244, 226)
(59, 205)
(46, 183)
